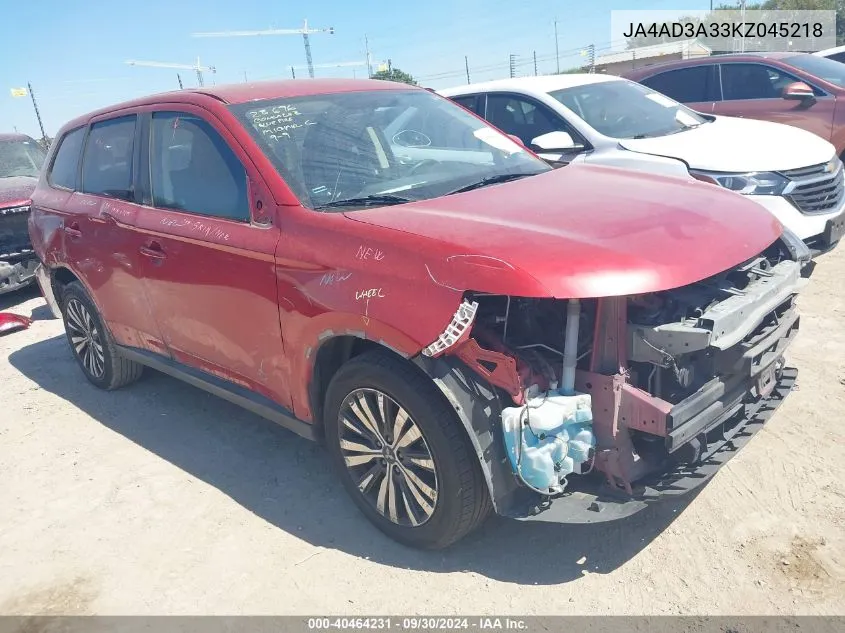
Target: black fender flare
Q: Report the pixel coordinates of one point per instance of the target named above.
(478, 406)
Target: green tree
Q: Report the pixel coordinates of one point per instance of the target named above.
(576, 70)
(394, 74)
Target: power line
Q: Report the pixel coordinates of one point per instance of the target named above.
(519, 63)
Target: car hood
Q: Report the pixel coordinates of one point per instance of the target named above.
(583, 231)
(16, 190)
(739, 145)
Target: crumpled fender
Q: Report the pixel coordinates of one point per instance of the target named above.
(10, 322)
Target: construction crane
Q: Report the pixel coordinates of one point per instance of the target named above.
(304, 31)
(293, 69)
(198, 68)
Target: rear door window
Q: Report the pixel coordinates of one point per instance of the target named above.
(696, 84)
(63, 171)
(107, 161)
(192, 168)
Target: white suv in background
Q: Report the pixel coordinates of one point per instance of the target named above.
(608, 120)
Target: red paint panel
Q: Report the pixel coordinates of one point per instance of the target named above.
(213, 290)
(10, 322)
(101, 246)
(816, 118)
(566, 234)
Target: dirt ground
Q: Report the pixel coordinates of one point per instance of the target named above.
(161, 499)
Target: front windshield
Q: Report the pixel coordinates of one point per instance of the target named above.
(385, 146)
(824, 68)
(20, 158)
(624, 109)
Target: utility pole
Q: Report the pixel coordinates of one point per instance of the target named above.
(535, 63)
(466, 63)
(513, 65)
(292, 73)
(245, 79)
(557, 49)
(37, 113)
(307, 43)
(179, 79)
(369, 59)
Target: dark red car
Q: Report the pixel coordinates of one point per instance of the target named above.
(798, 89)
(466, 328)
(21, 158)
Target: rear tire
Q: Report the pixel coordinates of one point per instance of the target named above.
(415, 475)
(91, 343)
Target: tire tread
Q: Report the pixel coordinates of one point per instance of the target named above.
(123, 370)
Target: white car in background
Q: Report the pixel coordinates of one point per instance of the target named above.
(837, 53)
(608, 120)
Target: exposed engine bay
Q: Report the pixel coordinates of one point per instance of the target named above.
(629, 386)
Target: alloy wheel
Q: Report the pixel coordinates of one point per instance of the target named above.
(85, 337)
(387, 457)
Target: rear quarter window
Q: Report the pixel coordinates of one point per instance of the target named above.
(686, 85)
(470, 102)
(65, 168)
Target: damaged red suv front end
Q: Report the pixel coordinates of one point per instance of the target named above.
(671, 321)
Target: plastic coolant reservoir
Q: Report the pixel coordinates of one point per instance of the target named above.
(554, 434)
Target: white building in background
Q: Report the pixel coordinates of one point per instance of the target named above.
(614, 63)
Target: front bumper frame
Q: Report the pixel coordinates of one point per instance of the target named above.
(18, 275)
(592, 500)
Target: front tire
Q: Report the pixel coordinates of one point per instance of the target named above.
(402, 453)
(91, 344)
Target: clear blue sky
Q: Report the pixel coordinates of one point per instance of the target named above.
(73, 52)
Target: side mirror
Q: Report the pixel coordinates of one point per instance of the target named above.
(554, 142)
(798, 91)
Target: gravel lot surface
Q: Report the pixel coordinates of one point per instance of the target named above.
(161, 499)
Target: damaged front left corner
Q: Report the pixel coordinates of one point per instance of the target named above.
(457, 330)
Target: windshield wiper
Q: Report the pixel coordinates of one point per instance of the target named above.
(365, 201)
(683, 128)
(489, 180)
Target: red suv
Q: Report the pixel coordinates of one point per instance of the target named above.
(798, 89)
(372, 266)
